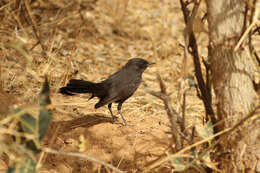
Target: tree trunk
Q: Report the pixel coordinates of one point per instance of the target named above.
(232, 75)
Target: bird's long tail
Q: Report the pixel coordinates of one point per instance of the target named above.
(80, 86)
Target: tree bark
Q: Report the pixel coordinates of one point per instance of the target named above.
(232, 75)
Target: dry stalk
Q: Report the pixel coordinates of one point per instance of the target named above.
(84, 156)
(7, 5)
(192, 43)
(182, 90)
(43, 156)
(34, 25)
(255, 19)
(173, 115)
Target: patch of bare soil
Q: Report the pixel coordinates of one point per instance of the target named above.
(129, 148)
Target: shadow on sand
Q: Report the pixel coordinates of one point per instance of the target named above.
(85, 121)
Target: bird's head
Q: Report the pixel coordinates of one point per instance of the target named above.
(138, 64)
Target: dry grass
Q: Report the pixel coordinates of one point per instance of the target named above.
(90, 40)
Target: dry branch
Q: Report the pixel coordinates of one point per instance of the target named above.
(34, 25)
(205, 91)
(173, 115)
(84, 156)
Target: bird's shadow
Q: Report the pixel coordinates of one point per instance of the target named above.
(85, 121)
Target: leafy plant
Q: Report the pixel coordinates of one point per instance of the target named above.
(36, 126)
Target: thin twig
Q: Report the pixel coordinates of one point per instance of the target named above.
(183, 118)
(84, 156)
(172, 114)
(34, 25)
(7, 5)
(253, 10)
(205, 93)
(255, 19)
(43, 156)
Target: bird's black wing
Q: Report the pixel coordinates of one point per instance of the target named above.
(122, 85)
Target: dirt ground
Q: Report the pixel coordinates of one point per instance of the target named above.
(90, 41)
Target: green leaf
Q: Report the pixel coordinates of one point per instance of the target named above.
(28, 123)
(44, 96)
(45, 114)
(44, 122)
(178, 164)
(38, 126)
(27, 166)
(206, 131)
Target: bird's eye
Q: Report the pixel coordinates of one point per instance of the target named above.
(142, 66)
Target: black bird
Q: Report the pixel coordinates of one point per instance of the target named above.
(117, 88)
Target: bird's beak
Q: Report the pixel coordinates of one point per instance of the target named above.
(151, 63)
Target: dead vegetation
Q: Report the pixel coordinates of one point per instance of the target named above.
(90, 40)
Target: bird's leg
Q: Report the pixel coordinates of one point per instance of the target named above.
(119, 106)
(110, 110)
